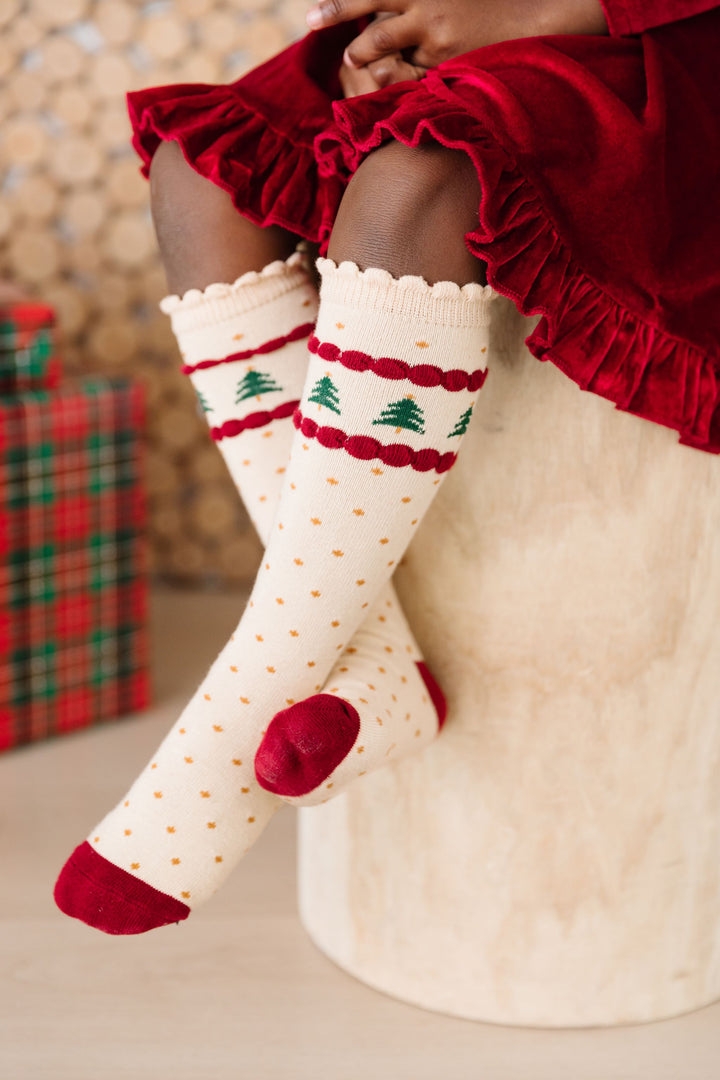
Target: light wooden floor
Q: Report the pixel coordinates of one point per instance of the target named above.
(238, 990)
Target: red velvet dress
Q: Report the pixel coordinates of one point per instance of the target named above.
(599, 164)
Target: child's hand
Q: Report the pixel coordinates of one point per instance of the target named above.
(384, 72)
(441, 29)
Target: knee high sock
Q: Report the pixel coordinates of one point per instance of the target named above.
(374, 342)
(342, 524)
(244, 347)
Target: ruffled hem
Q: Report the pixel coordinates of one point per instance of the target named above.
(594, 339)
(271, 175)
(295, 178)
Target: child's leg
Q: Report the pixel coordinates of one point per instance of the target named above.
(242, 324)
(429, 200)
(205, 242)
(202, 237)
(408, 210)
(345, 518)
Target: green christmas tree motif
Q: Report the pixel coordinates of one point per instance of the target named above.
(462, 424)
(253, 384)
(325, 393)
(403, 414)
(202, 400)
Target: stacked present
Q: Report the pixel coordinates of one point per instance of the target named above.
(73, 585)
(27, 355)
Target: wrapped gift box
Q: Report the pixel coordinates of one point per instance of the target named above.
(73, 581)
(28, 359)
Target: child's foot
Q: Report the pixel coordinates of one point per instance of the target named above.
(103, 895)
(188, 819)
(380, 702)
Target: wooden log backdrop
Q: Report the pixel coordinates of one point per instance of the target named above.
(75, 224)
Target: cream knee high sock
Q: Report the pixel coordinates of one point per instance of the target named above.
(245, 348)
(394, 359)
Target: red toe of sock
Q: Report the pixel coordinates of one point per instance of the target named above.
(97, 892)
(305, 743)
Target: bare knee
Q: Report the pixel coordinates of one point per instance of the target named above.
(183, 203)
(407, 210)
(202, 236)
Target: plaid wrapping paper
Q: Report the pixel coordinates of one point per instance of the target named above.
(73, 584)
(27, 348)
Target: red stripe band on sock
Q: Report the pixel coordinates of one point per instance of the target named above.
(297, 334)
(388, 368)
(367, 449)
(254, 420)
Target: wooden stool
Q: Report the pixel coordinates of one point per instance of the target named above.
(554, 858)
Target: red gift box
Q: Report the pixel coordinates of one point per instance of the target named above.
(28, 360)
(73, 580)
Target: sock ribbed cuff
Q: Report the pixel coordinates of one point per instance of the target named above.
(445, 303)
(197, 309)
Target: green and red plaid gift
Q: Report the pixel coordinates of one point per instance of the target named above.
(73, 584)
(28, 359)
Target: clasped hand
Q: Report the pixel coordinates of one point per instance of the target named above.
(414, 35)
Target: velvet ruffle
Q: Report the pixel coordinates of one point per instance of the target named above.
(272, 180)
(596, 340)
(594, 228)
(254, 137)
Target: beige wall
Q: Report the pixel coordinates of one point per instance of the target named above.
(75, 226)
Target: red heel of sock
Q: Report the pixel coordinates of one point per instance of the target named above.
(305, 743)
(436, 695)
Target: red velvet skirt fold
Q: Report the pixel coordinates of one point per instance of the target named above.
(599, 166)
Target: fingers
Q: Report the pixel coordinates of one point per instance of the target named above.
(381, 38)
(392, 69)
(385, 72)
(332, 12)
(355, 82)
(424, 60)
